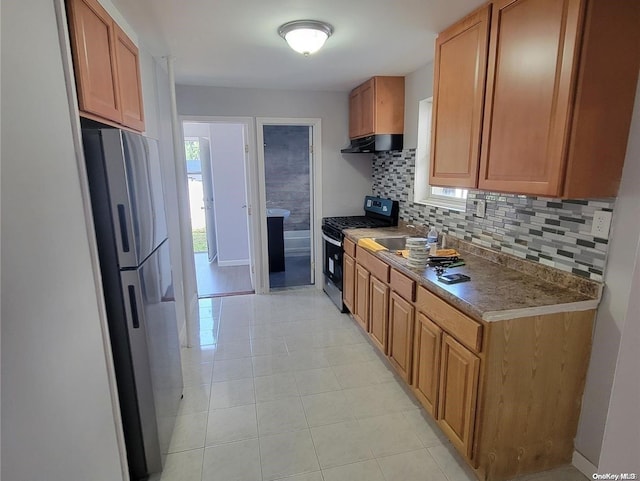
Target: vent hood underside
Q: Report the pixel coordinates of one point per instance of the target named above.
(375, 143)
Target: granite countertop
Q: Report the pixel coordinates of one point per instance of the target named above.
(501, 286)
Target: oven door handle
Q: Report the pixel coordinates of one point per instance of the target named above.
(331, 241)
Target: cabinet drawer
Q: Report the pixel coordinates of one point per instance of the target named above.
(463, 328)
(374, 265)
(349, 247)
(403, 285)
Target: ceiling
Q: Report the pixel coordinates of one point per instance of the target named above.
(234, 43)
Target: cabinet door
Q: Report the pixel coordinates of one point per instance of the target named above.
(426, 362)
(367, 108)
(458, 99)
(533, 49)
(378, 312)
(361, 311)
(400, 335)
(348, 282)
(93, 45)
(128, 64)
(459, 375)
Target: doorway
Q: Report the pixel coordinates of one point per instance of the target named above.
(286, 154)
(215, 154)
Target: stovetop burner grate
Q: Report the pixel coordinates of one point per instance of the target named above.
(333, 226)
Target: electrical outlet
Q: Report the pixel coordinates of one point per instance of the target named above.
(481, 206)
(601, 224)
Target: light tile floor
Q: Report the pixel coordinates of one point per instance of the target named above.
(283, 386)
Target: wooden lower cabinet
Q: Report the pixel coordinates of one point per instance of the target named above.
(378, 312)
(506, 393)
(400, 347)
(458, 395)
(361, 293)
(426, 362)
(348, 281)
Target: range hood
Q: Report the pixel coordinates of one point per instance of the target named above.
(374, 143)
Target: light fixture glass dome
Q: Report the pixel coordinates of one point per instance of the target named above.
(306, 36)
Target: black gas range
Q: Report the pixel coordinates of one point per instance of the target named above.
(378, 213)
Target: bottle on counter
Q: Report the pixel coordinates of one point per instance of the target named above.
(432, 241)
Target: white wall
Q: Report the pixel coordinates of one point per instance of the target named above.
(346, 177)
(418, 85)
(229, 193)
(621, 443)
(57, 415)
(613, 311)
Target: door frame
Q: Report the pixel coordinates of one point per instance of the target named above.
(251, 186)
(315, 171)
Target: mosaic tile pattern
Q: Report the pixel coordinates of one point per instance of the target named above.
(553, 232)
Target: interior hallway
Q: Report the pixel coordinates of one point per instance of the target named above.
(213, 280)
(283, 386)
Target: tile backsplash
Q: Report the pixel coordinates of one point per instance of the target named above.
(553, 232)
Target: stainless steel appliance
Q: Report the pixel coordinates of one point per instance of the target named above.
(128, 208)
(378, 213)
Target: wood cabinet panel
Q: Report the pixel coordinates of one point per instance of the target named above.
(426, 362)
(403, 285)
(361, 308)
(459, 377)
(375, 266)
(367, 120)
(354, 113)
(463, 328)
(128, 67)
(458, 101)
(348, 282)
(529, 88)
(378, 312)
(535, 373)
(349, 248)
(377, 107)
(93, 48)
(400, 344)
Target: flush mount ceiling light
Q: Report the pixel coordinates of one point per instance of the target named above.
(305, 36)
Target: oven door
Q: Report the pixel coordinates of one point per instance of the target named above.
(332, 260)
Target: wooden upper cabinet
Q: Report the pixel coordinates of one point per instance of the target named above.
(127, 60)
(460, 70)
(377, 107)
(554, 118)
(92, 41)
(561, 81)
(106, 66)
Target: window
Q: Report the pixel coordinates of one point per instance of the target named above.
(423, 193)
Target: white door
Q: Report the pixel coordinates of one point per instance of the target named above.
(207, 191)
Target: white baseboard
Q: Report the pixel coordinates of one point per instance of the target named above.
(583, 465)
(238, 262)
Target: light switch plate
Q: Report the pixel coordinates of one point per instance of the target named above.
(601, 224)
(481, 206)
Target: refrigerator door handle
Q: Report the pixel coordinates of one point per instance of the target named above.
(124, 233)
(133, 303)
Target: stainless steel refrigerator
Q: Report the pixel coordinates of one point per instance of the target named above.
(128, 207)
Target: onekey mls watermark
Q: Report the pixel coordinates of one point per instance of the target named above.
(614, 477)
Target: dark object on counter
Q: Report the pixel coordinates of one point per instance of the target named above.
(275, 243)
(453, 278)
